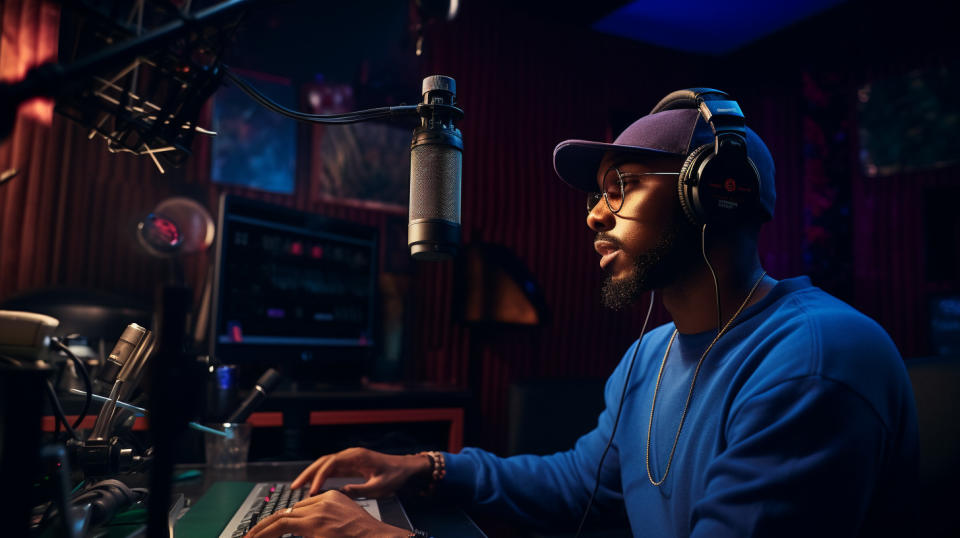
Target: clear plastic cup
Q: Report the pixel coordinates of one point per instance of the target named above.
(229, 451)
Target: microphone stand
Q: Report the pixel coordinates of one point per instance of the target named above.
(174, 389)
(53, 79)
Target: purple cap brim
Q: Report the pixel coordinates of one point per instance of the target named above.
(577, 161)
(670, 132)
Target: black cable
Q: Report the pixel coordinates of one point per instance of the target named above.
(348, 117)
(616, 421)
(716, 283)
(82, 370)
(58, 410)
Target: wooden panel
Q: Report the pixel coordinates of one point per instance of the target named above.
(49, 423)
(379, 416)
(266, 419)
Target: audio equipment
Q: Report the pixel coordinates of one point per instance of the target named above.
(436, 156)
(26, 336)
(128, 341)
(127, 359)
(267, 382)
(718, 184)
(106, 499)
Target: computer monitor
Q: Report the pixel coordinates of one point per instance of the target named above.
(291, 287)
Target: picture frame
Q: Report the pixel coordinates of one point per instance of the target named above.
(364, 164)
(254, 147)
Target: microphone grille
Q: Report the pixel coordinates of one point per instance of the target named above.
(435, 182)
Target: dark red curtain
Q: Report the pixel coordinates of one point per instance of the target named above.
(29, 38)
(526, 84)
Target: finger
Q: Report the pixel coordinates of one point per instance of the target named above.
(261, 527)
(371, 488)
(321, 475)
(279, 527)
(326, 495)
(307, 473)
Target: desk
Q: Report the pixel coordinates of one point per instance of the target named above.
(439, 519)
(453, 415)
(297, 412)
(432, 419)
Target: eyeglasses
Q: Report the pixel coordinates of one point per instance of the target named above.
(614, 191)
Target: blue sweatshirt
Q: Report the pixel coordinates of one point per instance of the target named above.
(802, 423)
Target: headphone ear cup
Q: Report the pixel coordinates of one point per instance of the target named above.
(107, 498)
(687, 186)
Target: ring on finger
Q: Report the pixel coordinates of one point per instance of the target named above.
(288, 510)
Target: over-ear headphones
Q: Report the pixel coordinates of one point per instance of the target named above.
(718, 182)
(108, 498)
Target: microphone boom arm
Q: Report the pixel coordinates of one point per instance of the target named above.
(52, 79)
(387, 112)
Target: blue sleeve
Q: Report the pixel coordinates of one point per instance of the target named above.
(798, 459)
(549, 492)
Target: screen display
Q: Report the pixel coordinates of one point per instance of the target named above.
(291, 281)
(945, 325)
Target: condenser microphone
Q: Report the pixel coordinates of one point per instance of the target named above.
(436, 156)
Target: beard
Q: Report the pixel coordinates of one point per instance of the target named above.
(669, 259)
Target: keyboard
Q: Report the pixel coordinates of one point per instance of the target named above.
(267, 498)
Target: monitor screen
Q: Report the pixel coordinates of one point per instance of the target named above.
(945, 324)
(291, 285)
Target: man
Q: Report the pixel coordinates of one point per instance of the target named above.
(765, 409)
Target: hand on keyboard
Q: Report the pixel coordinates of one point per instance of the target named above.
(385, 474)
(329, 514)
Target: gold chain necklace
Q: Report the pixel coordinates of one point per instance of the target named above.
(686, 405)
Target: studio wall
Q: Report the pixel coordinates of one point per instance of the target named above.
(525, 84)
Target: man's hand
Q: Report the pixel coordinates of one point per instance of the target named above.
(331, 514)
(385, 474)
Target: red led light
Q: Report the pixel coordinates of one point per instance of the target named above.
(316, 252)
(236, 333)
(296, 248)
(165, 231)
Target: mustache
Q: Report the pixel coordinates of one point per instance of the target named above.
(604, 236)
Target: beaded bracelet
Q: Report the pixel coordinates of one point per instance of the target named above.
(438, 469)
(417, 533)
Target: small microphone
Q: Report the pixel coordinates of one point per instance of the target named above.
(126, 344)
(267, 382)
(128, 354)
(436, 156)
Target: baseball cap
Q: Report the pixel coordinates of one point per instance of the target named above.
(670, 132)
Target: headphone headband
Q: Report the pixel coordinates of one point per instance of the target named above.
(718, 182)
(689, 98)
